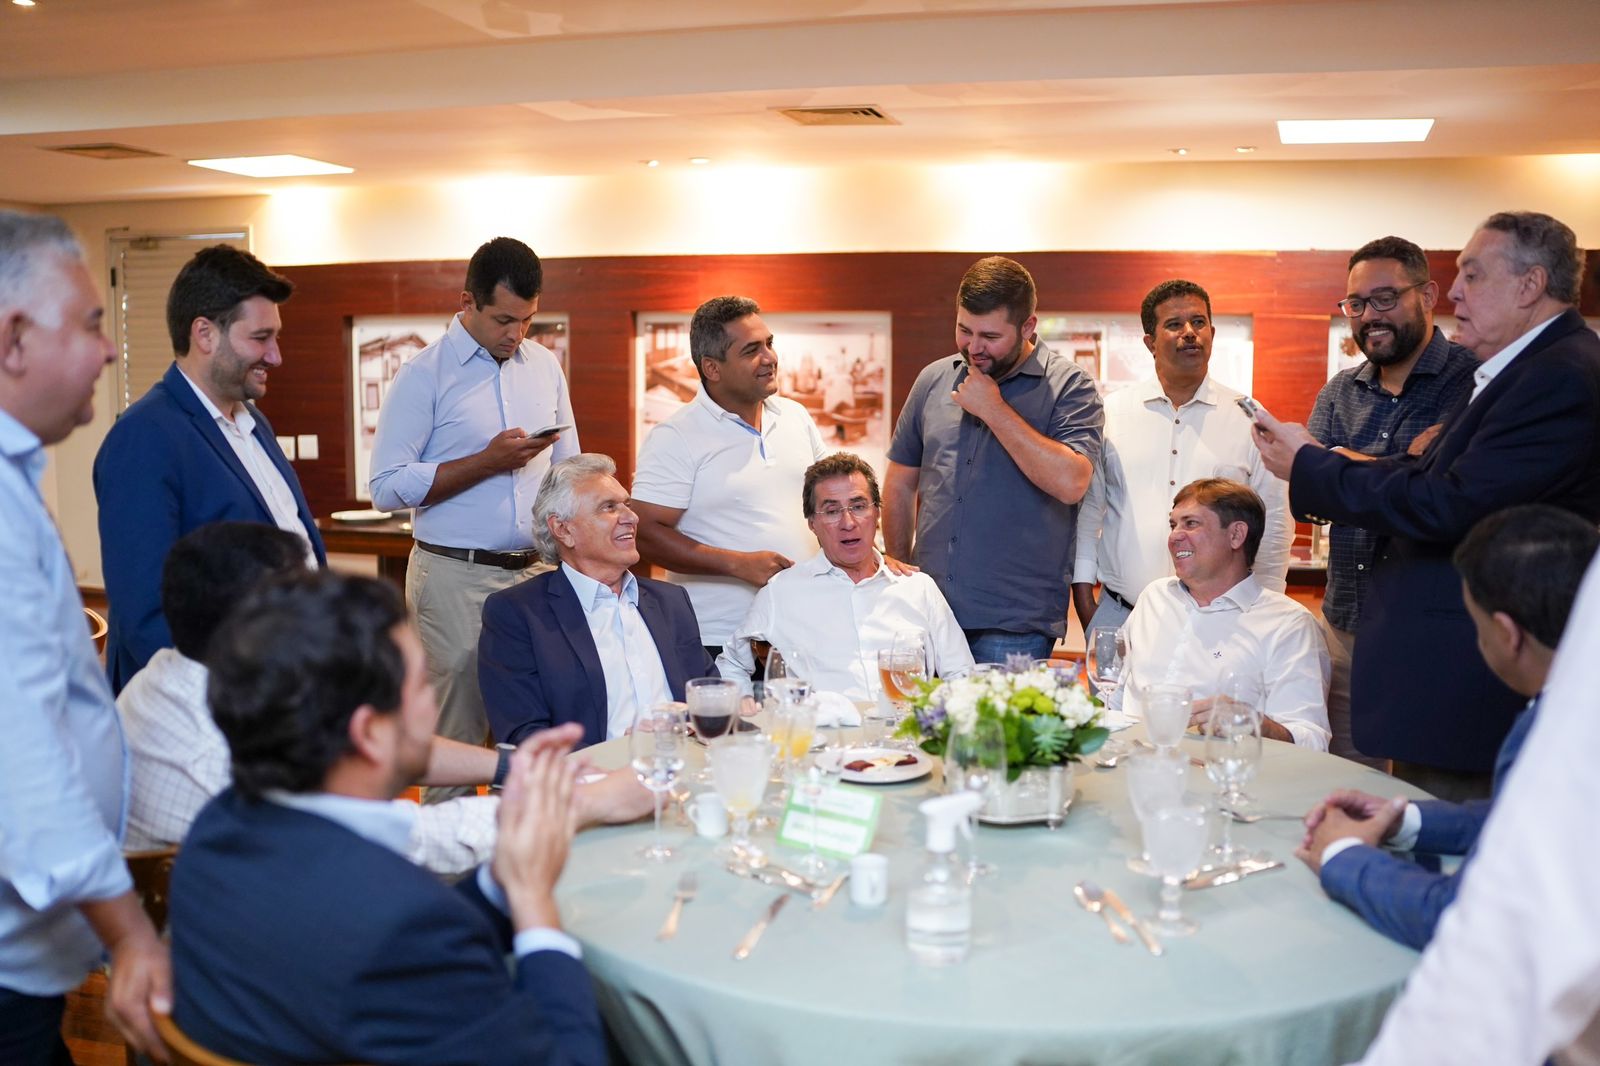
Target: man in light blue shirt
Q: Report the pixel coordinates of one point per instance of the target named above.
(465, 436)
(65, 893)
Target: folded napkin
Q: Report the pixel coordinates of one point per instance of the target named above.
(834, 709)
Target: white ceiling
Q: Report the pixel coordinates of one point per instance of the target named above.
(418, 90)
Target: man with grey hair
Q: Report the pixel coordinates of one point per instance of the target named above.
(716, 482)
(65, 894)
(587, 642)
(1529, 432)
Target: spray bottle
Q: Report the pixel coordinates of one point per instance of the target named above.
(939, 911)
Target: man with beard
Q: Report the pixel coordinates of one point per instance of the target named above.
(1390, 405)
(1175, 427)
(994, 448)
(194, 449)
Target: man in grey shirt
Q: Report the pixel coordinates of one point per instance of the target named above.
(988, 467)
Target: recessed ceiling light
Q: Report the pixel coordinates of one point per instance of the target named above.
(651, 162)
(271, 166)
(1353, 130)
(699, 160)
(1245, 149)
(1178, 151)
(23, 3)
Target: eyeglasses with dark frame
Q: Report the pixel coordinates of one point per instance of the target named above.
(858, 509)
(1380, 300)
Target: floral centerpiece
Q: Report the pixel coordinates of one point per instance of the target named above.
(1048, 718)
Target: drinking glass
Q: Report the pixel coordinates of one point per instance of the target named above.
(793, 728)
(775, 669)
(1233, 752)
(739, 766)
(1018, 662)
(900, 667)
(656, 744)
(1174, 838)
(811, 785)
(1155, 782)
(713, 708)
(980, 757)
(1166, 714)
(1107, 648)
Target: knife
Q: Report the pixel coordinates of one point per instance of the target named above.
(827, 893)
(1227, 875)
(749, 942)
(1151, 944)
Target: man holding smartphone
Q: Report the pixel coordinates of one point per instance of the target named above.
(466, 433)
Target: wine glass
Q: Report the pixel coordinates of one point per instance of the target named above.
(1155, 782)
(811, 785)
(713, 708)
(1233, 752)
(739, 766)
(775, 669)
(656, 744)
(1174, 838)
(1166, 714)
(980, 757)
(1107, 647)
(900, 667)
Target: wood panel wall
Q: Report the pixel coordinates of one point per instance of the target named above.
(1290, 295)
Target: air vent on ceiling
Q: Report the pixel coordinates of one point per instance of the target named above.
(837, 116)
(106, 150)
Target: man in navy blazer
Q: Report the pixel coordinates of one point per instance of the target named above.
(300, 931)
(194, 449)
(1520, 571)
(1530, 432)
(587, 642)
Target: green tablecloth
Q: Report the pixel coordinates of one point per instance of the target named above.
(1277, 975)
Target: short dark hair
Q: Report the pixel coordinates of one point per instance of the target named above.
(1412, 259)
(839, 464)
(995, 282)
(708, 329)
(1528, 561)
(290, 666)
(1164, 292)
(211, 568)
(213, 284)
(1230, 501)
(1540, 240)
(504, 261)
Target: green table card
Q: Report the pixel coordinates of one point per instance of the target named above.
(846, 820)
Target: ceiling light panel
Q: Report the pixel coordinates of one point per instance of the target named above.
(271, 166)
(1353, 130)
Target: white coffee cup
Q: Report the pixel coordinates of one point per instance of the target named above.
(869, 880)
(709, 814)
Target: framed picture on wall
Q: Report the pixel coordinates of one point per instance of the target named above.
(836, 365)
(1110, 347)
(381, 344)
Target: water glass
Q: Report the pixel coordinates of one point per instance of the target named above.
(1155, 782)
(979, 757)
(1174, 838)
(740, 763)
(656, 745)
(1233, 753)
(1166, 714)
(1107, 647)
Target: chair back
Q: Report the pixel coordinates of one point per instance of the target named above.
(152, 872)
(182, 1050)
(98, 628)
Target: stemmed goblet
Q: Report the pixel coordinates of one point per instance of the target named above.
(1155, 782)
(739, 766)
(1233, 752)
(1174, 838)
(656, 745)
(979, 756)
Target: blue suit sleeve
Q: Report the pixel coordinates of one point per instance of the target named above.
(508, 672)
(1450, 828)
(136, 488)
(1396, 897)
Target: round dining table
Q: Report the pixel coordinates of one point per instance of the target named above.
(1277, 975)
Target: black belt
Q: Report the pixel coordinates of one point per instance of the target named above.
(1116, 597)
(504, 560)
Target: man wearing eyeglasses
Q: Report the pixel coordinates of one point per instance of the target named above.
(1529, 432)
(1390, 405)
(830, 615)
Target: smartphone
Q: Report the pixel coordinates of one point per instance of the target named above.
(553, 429)
(1252, 410)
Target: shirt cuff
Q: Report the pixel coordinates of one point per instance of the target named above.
(405, 487)
(527, 941)
(1405, 838)
(1342, 844)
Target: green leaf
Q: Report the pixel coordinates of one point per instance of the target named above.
(1052, 740)
(1088, 741)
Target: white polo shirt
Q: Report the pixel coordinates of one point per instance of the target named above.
(738, 489)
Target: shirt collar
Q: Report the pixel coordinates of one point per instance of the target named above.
(769, 409)
(387, 823)
(1150, 389)
(819, 565)
(1490, 368)
(460, 344)
(23, 447)
(589, 590)
(241, 414)
(1240, 597)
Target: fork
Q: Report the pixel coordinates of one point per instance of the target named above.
(687, 885)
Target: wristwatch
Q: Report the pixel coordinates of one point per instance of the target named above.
(504, 764)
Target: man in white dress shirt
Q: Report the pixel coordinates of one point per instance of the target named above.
(1213, 619)
(831, 614)
(715, 484)
(1163, 432)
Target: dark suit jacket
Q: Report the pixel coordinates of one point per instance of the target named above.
(296, 940)
(1419, 690)
(1399, 898)
(537, 663)
(165, 469)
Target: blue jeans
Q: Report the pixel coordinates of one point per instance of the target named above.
(993, 645)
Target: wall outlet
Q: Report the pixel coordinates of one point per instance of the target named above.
(286, 445)
(307, 445)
